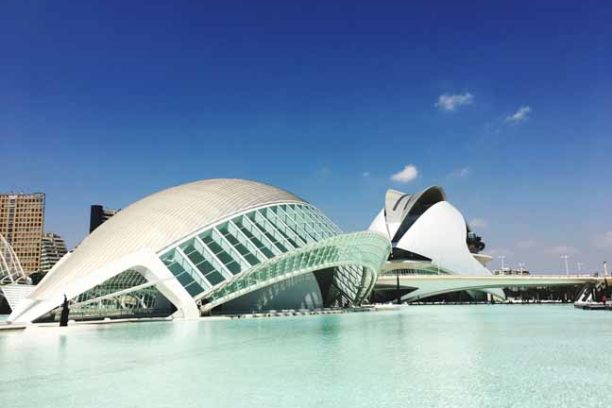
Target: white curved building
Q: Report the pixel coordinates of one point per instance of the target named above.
(428, 236)
(10, 267)
(221, 244)
(14, 283)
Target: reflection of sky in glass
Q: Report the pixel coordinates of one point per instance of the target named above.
(420, 356)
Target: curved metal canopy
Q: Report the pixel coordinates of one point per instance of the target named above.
(10, 267)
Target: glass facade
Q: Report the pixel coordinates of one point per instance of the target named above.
(213, 262)
(355, 259)
(125, 295)
(245, 253)
(216, 254)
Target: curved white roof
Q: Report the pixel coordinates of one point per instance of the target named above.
(398, 209)
(160, 219)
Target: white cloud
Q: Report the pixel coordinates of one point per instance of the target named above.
(366, 174)
(408, 174)
(561, 250)
(461, 172)
(478, 223)
(450, 102)
(603, 241)
(521, 115)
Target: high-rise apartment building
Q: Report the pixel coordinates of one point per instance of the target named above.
(53, 248)
(99, 215)
(21, 223)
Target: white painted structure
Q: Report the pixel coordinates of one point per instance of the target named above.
(11, 270)
(14, 284)
(431, 285)
(428, 235)
(14, 293)
(203, 243)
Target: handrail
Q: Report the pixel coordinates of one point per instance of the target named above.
(390, 274)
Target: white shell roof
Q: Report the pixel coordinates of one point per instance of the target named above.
(158, 220)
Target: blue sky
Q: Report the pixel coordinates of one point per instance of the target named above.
(508, 105)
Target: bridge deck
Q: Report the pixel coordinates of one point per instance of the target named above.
(431, 285)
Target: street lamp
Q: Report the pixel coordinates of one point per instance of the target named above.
(566, 265)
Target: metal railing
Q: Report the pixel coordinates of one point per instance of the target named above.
(101, 314)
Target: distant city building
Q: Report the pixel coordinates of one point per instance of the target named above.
(53, 248)
(99, 215)
(21, 224)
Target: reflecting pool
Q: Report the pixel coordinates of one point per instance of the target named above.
(422, 356)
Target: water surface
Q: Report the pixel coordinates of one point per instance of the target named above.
(425, 356)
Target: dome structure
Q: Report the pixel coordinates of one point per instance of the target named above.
(202, 245)
(160, 219)
(428, 236)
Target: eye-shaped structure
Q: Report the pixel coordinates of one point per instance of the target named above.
(428, 236)
(222, 244)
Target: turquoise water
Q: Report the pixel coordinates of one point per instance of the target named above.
(425, 356)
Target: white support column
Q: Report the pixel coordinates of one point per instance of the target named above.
(44, 299)
(170, 287)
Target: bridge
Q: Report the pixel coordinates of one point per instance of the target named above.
(423, 286)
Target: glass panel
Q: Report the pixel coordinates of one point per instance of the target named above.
(287, 234)
(194, 289)
(215, 278)
(185, 279)
(196, 257)
(221, 254)
(244, 240)
(247, 240)
(264, 227)
(252, 259)
(176, 269)
(260, 245)
(206, 267)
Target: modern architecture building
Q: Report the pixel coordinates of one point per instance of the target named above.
(53, 249)
(98, 215)
(220, 245)
(13, 281)
(21, 224)
(11, 270)
(428, 236)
